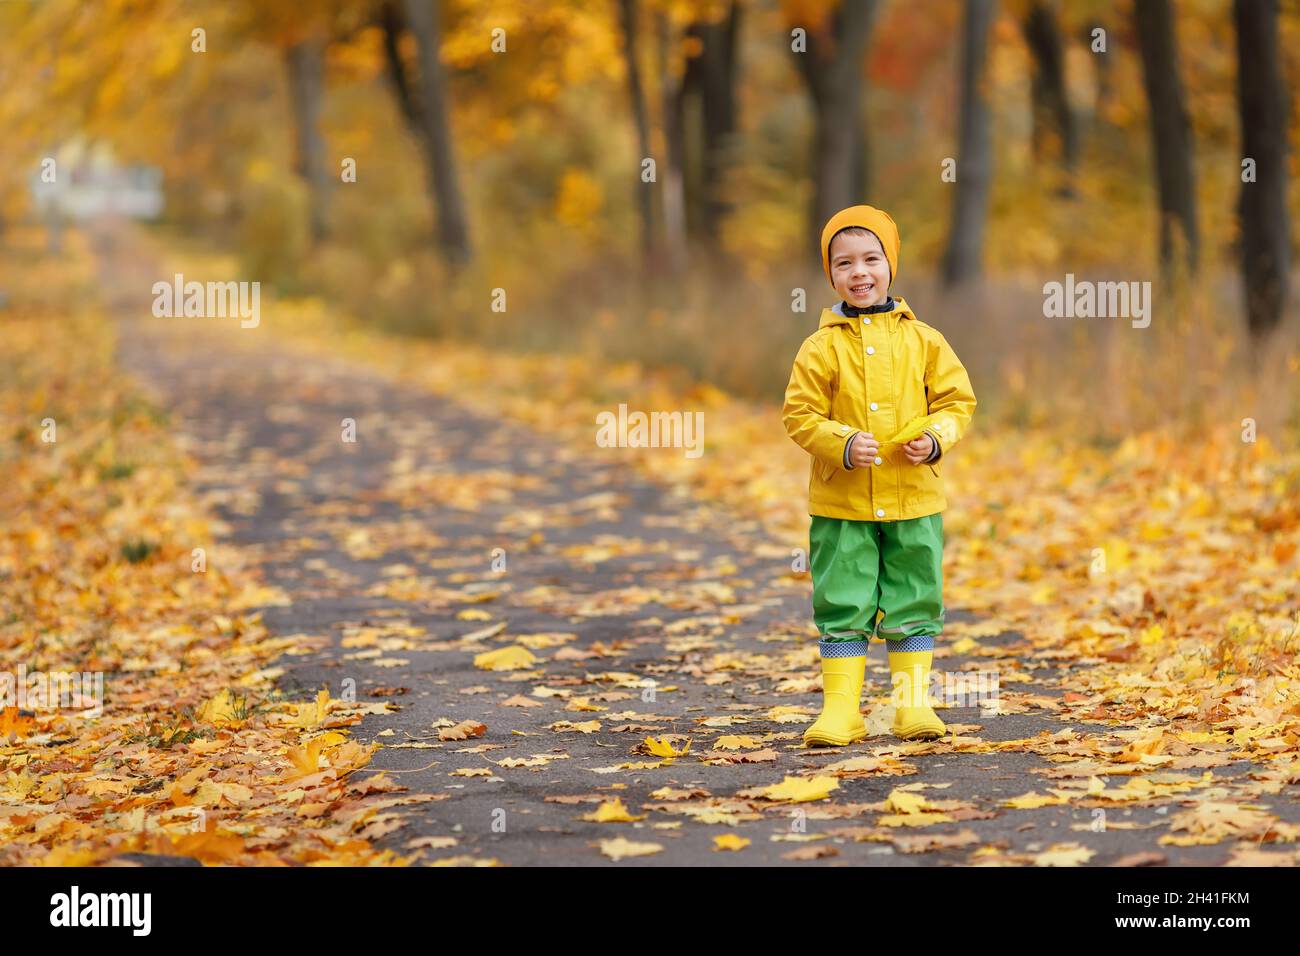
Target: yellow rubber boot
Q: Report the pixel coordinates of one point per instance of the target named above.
(841, 721)
(913, 717)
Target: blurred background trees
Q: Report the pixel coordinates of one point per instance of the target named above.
(639, 176)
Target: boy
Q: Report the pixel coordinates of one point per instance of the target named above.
(871, 370)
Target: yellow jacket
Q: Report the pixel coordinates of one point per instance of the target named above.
(877, 373)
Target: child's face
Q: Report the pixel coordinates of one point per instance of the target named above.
(859, 269)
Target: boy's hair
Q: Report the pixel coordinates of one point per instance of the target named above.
(855, 231)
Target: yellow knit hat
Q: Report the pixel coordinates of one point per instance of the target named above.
(868, 217)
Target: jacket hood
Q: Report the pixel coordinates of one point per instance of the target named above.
(834, 316)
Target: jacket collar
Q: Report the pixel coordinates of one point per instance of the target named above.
(893, 310)
(853, 311)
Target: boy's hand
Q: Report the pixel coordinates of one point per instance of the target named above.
(863, 450)
(919, 449)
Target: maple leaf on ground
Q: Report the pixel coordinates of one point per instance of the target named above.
(1064, 854)
(927, 842)
(506, 659)
(310, 715)
(612, 811)
(306, 759)
(904, 801)
(222, 710)
(210, 846)
(818, 852)
(621, 848)
(463, 731)
(519, 700)
(730, 841)
(800, 789)
(13, 722)
(663, 747)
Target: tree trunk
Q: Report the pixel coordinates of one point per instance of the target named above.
(832, 68)
(1171, 134)
(671, 171)
(305, 62)
(711, 76)
(1103, 71)
(1055, 130)
(962, 260)
(1262, 102)
(392, 24)
(440, 162)
(628, 13)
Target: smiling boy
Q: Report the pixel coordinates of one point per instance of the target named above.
(873, 372)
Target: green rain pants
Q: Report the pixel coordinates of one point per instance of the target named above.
(877, 577)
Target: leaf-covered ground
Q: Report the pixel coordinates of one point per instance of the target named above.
(196, 754)
(563, 653)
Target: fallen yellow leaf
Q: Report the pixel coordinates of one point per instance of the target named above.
(801, 789)
(621, 848)
(509, 658)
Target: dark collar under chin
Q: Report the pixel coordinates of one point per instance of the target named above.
(853, 311)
